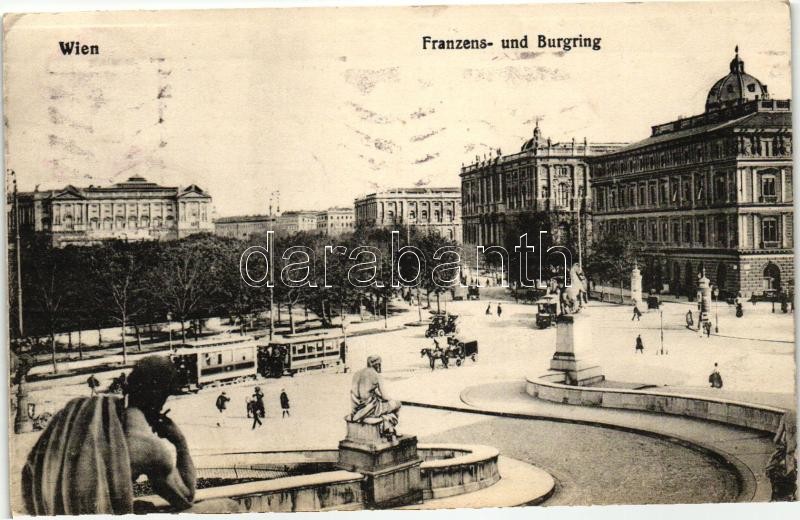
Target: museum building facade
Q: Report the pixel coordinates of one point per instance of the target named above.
(542, 177)
(710, 193)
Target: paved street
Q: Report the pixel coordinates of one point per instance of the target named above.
(510, 349)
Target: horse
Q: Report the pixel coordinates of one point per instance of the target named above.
(433, 356)
(574, 296)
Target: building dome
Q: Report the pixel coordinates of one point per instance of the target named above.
(735, 88)
(533, 143)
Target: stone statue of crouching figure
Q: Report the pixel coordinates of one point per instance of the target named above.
(370, 401)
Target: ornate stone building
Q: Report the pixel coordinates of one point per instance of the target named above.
(543, 176)
(335, 221)
(132, 210)
(291, 222)
(710, 192)
(431, 209)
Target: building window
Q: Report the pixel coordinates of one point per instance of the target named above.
(768, 190)
(722, 232)
(653, 194)
(719, 188)
(687, 233)
(769, 231)
(701, 231)
(676, 232)
(563, 195)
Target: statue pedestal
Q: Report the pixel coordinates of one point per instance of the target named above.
(391, 468)
(573, 334)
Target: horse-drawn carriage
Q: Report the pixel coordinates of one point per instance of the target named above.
(456, 349)
(460, 350)
(547, 309)
(441, 325)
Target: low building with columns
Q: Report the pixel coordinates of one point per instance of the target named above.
(245, 226)
(712, 193)
(542, 177)
(429, 209)
(131, 210)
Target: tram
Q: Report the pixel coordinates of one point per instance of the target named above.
(290, 355)
(215, 360)
(228, 359)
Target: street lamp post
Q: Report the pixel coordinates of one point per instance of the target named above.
(169, 328)
(344, 338)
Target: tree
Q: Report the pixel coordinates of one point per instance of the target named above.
(613, 257)
(49, 279)
(118, 270)
(184, 275)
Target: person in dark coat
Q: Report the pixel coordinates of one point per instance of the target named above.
(715, 378)
(499, 310)
(284, 404)
(222, 404)
(489, 309)
(639, 344)
(93, 384)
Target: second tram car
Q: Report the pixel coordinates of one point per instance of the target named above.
(287, 356)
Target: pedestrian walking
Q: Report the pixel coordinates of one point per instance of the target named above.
(707, 327)
(222, 404)
(499, 310)
(93, 384)
(256, 420)
(258, 402)
(639, 344)
(284, 404)
(715, 378)
(637, 314)
(489, 309)
(689, 319)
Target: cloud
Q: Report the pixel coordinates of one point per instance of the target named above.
(365, 80)
(427, 158)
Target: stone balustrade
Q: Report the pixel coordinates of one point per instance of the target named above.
(757, 417)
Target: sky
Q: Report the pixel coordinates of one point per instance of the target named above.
(328, 104)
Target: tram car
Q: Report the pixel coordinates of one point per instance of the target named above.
(215, 360)
(290, 355)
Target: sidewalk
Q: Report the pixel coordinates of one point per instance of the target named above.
(75, 370)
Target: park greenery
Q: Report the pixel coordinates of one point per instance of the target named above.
(142, 286)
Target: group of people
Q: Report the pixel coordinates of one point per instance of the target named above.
(254, 406)
(118, 384)
(498, 309)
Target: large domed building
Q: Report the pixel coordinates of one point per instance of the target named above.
(709, 193)
(736, 88)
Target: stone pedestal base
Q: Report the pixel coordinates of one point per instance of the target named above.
(391, 468)
(575, 371)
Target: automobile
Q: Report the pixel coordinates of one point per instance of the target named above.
(441, 325)
(473, 292)
(547, 309)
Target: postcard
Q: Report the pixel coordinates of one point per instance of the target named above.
(340, 259)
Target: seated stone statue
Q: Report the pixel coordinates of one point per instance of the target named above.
(370, 401)
(92, 451)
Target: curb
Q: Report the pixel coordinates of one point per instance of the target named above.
(746, 480)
